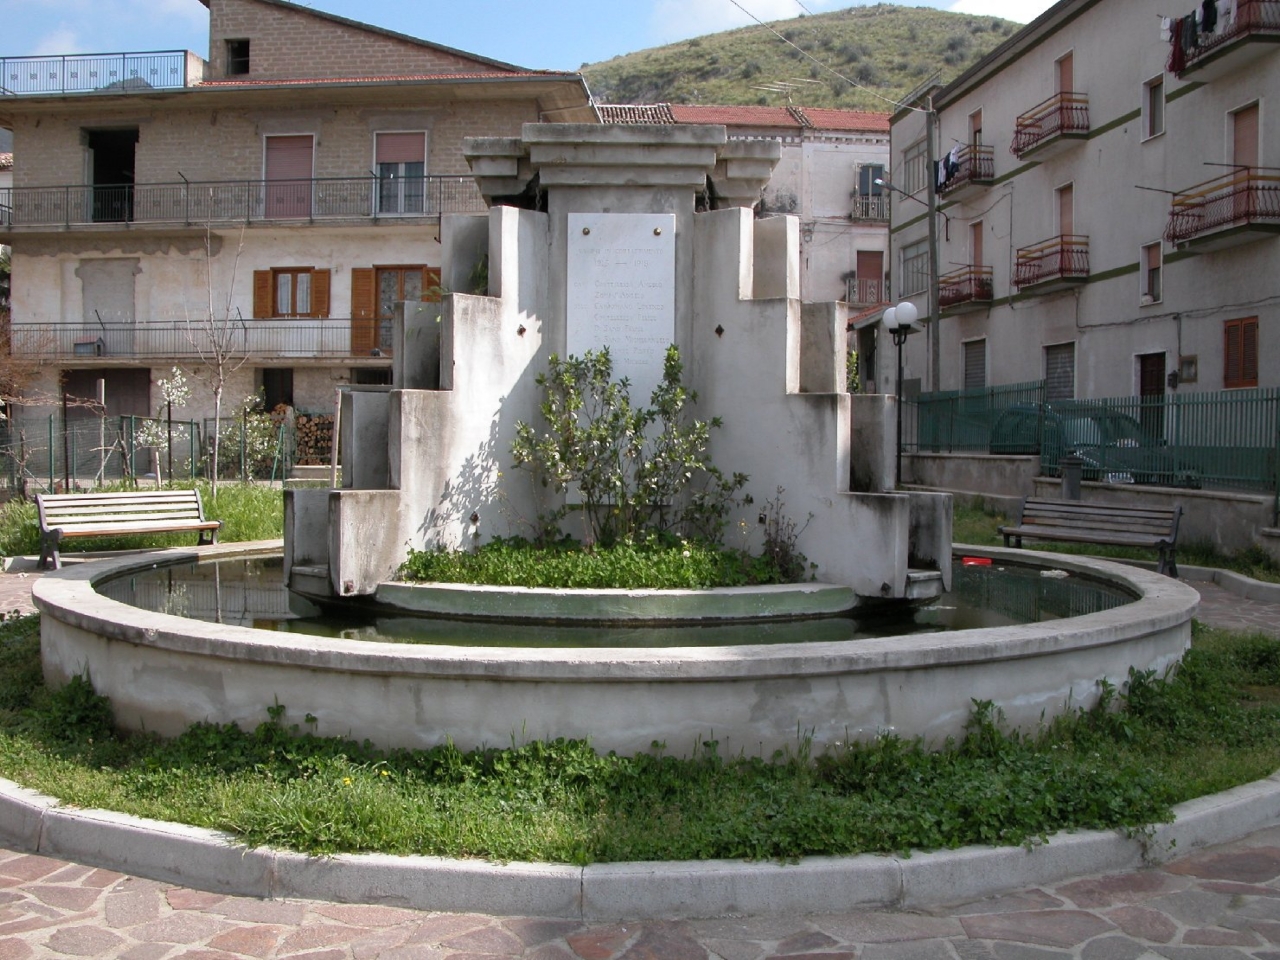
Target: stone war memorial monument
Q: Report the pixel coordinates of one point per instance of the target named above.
(631, 238)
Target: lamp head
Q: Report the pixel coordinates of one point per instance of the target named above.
(906, 314)
(880, 182)
(891, 319)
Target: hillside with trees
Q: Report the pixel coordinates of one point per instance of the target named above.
(886, 50)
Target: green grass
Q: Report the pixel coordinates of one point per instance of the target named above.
(1213, 724)
(247, 512)
(658, 564)
(977, 525)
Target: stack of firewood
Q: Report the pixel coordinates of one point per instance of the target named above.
(313, 438)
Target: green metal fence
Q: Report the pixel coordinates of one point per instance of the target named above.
(1226, 439)
(954, 421)
(49, 452)
(250, 447)
(40, 453)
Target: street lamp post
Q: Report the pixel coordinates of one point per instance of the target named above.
(900, 322)
(930, 204)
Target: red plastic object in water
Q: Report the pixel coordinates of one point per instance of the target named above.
(976, 561)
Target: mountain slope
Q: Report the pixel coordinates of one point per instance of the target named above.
(886, 49)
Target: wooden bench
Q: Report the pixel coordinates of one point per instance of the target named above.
(1082, 521)
(65, 515)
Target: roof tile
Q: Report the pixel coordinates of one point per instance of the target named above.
(828, 118)
(635, 113)
(396, 78)
(793, 118)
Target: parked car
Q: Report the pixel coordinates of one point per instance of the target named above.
(1114, 446)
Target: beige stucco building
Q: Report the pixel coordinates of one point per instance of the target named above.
(277, 198)
(826, 178)
(1108, 215)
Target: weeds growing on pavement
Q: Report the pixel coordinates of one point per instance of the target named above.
(1154, 741)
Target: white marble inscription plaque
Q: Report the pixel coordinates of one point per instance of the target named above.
(622, 292)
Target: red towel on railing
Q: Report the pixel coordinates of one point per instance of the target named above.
(1177, 54)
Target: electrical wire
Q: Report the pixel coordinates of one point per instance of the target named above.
(831, 70)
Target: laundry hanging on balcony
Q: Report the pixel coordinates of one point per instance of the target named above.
(946, 168)
(1184, 33)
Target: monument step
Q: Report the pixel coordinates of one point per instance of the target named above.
(924, 584)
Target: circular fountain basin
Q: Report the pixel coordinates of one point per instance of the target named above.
(164, 673)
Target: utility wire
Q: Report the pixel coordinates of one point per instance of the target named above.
(835, 73)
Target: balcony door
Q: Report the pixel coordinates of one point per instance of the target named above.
(288, 173)
(401, 160)
(110, 161)
(871, 277)
(1066, 70)
(1066, 210)
(1244, 154)
(873, 201)
(374, 294)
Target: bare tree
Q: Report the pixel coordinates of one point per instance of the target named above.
(220, 340)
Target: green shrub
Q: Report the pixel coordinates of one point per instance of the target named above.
(658, 563)
(640, 471)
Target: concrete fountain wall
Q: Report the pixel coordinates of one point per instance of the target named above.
(163, 673)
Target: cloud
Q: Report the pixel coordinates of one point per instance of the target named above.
(61, 40)
(189, 12)
(679, 19)
(1019, 11)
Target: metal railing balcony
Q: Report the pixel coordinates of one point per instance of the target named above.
(1241, 198)
(975, 166)
(970, 284)
(183, 340)
(1060, 260)
(1065, 115)
(864, 291)
(1254, 20)
(100, 73)
(239, 201)
(870, 207)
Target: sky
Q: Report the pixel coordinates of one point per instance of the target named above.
(558, 35)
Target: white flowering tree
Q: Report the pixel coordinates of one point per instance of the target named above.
(174, 392)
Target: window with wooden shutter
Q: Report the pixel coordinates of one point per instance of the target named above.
(291, 292)
(975, 364)
(1152, 263)
(262, 294)
(1240, 353)
(364, 311)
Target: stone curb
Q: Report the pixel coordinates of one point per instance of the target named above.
(208, 860)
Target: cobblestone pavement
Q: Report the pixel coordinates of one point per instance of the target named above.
(1219, 904)
(1221, 608)
(1222, 903)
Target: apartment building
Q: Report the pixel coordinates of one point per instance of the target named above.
(1107, 188)
(270, 203)
(831, 160)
